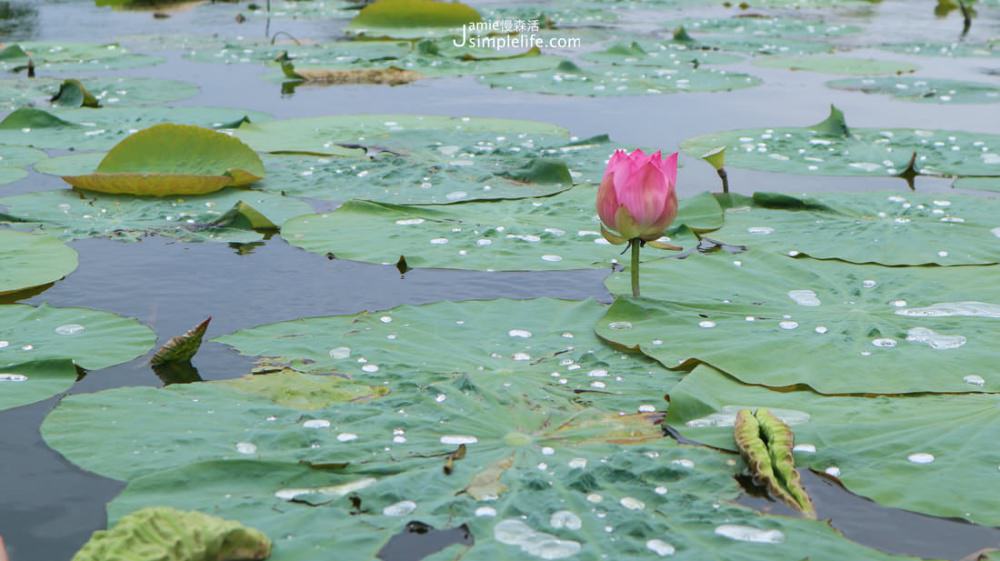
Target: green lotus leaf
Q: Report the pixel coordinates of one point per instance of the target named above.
(977, 183)
(552, 233)
(54, 57)
(863, 152)
(602, 79)
(880, 227)
(877, 446)
(13, 160)
(765, 26)
(84, 129)
(765, 442)
(350, 135)
(745, 44)
(168, 160)
(242, 51)
(169, 534)
(835, 327)
(561, 16)
(945, 49)
(832, 64)
(924, 90)
(548, 510)
(305, 392)
(29, 382)
(415, 13)
(659, 55)
(230, 215)
(30, 260)
(107, 91)
(90, 338)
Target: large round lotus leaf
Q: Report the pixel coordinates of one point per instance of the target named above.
(945, 49)
(415, 13)
(13, 160)
(602, 79)
(109, 92)
(825, 149)
(545, 508)
(925, 90)
(351, 134)
(883, 228)
(770, 27)
(168, 160)
(30, 260)
(750, 44)
(21, 384)
(86, 129)
(549, 340)
(932, 453)
(836, 327)
(835, 64)
(568, 367)
(553, 15)
(659, 55)
(553, 233)
(417, 168)
(90, 338)
(52, 57)
(230, 215)
(978, 183)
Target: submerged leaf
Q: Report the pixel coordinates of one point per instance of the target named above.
(168, 159)
(766, 442)
(168, 534)
(181, 348)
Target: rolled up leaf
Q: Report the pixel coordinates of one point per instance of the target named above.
(167, 534)
(765, 442)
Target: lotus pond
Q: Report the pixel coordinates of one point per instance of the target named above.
(325, 279)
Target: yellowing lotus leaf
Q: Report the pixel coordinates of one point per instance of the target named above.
(167, 160)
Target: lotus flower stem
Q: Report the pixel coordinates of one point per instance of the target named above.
(636, 244)
(725, 179)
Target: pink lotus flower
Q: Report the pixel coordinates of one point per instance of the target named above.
(637, 199)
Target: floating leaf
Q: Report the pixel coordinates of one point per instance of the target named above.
(888, 330)
(85, 129)
(945, 49)
(108, 91)
(977, 183)
(166, 160)
(602, 79)
(924, 90)
(172, 535)
(13, 160)
(832, 64)
(30, 260)
(660, 55)
(765, 26)
(923, 453)
(412, 18)
(21, 384)
(865, 152)
(348, 135)
(225, 216)
(879, 227)
(552, 233)
(90, 338)
(181, 348)
(305, 392)
(765, 442)
(53, 57)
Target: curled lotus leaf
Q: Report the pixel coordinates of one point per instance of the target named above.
(766, 442)
(181, 348)
(168, 534)
(167, 159)
(72, 93)
(412, 18)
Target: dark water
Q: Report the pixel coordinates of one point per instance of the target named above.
(48, 507)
